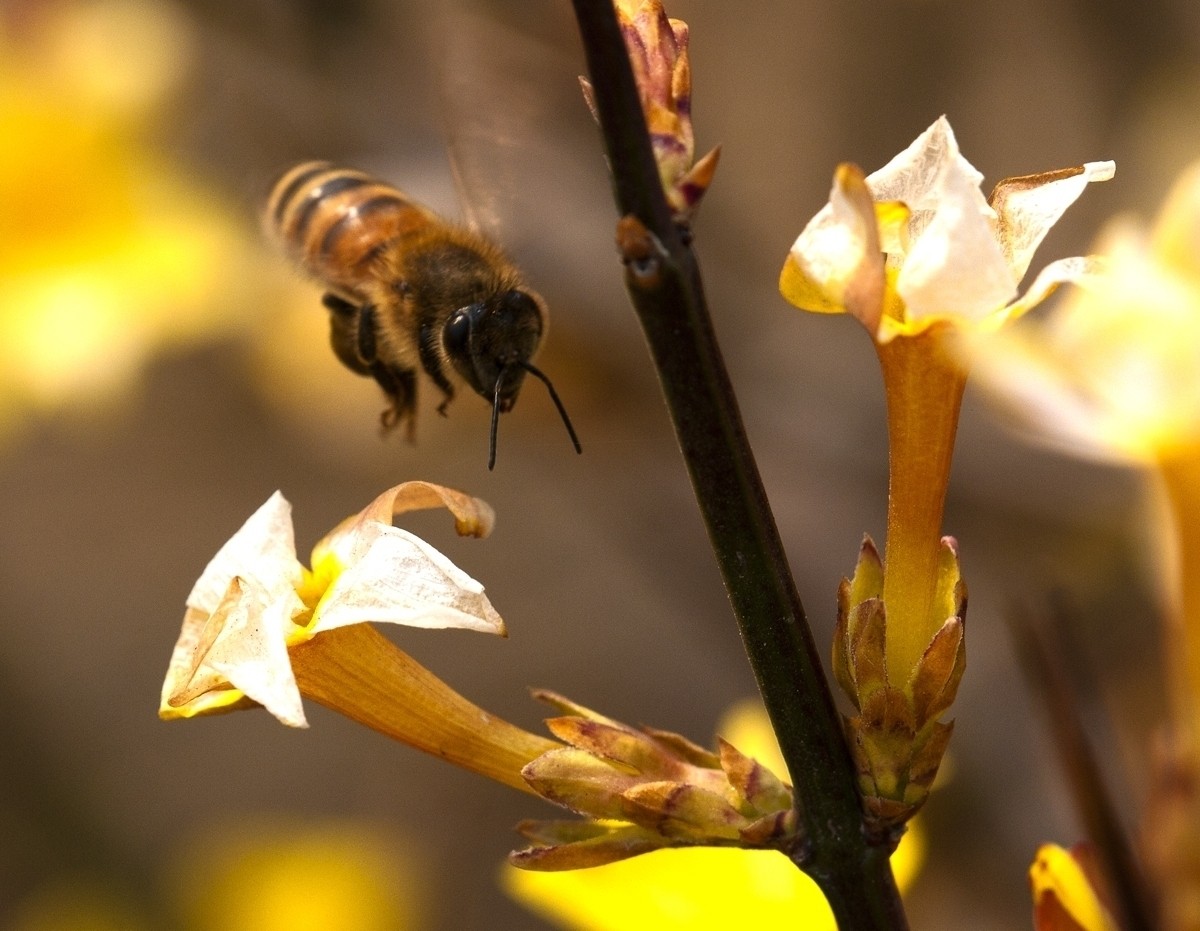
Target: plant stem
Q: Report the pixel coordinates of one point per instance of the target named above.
(851, 868)
(1046, 653)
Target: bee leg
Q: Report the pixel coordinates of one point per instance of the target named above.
(345, 325)
(431, 362)
(400, 385)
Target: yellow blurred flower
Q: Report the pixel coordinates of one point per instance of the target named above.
(698, 888)
(1114, 372)
(108, 252)
(266, 874)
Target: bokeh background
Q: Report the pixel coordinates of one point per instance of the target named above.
(162, 372)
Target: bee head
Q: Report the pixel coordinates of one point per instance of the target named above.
(490, 345)
(489, 342)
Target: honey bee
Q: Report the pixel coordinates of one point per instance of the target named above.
(408, 290)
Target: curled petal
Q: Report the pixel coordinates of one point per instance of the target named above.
(1028, 206)
(1083, 270)
(472, 516)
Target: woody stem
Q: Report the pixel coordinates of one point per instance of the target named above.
(851, 868)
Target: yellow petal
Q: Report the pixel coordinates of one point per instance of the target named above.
(836, 264)
(1064, 899)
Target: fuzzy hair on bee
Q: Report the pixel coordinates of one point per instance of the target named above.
(408, 291)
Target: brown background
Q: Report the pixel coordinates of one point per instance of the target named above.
(599, 563)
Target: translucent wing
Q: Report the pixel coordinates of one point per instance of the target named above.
(503, 83)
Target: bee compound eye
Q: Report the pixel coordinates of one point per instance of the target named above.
(520, 306)
(457, 332)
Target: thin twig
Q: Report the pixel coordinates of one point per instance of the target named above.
(1045, 651)
(664, 282)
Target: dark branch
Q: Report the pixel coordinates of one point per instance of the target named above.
(664, 283)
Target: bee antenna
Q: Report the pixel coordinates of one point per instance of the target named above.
(541, 376)
(562, 411)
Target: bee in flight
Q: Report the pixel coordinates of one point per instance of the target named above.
(407, 290)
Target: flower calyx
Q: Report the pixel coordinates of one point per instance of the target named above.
(895, 737)
(642, 789)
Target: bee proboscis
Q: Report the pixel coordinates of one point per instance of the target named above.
(408, 291)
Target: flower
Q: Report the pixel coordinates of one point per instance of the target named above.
(658, 53)
(695, 888)
(260, 628)
(917, 254)
(1064, 890)
(291, 873)
(916, 243)
(255, 599)
(108, 251)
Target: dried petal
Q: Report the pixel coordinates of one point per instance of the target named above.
(606, 846)
(1028, 206)
(937, 674)
(640, 753)
(765, 791)
(679, 810)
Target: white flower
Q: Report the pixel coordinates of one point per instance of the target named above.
(916, 242)
(255, 599)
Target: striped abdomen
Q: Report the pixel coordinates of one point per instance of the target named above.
(336, 222)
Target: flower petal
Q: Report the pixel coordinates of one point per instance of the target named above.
(1029, 205)
(917, 175)
(397, 578)
(955, 267)
(473, 517)
(262, 550)
(242, 645)
(834, 259)
(1063, 897)
(1085, 270)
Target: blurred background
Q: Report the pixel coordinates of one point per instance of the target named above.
(162, 372)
